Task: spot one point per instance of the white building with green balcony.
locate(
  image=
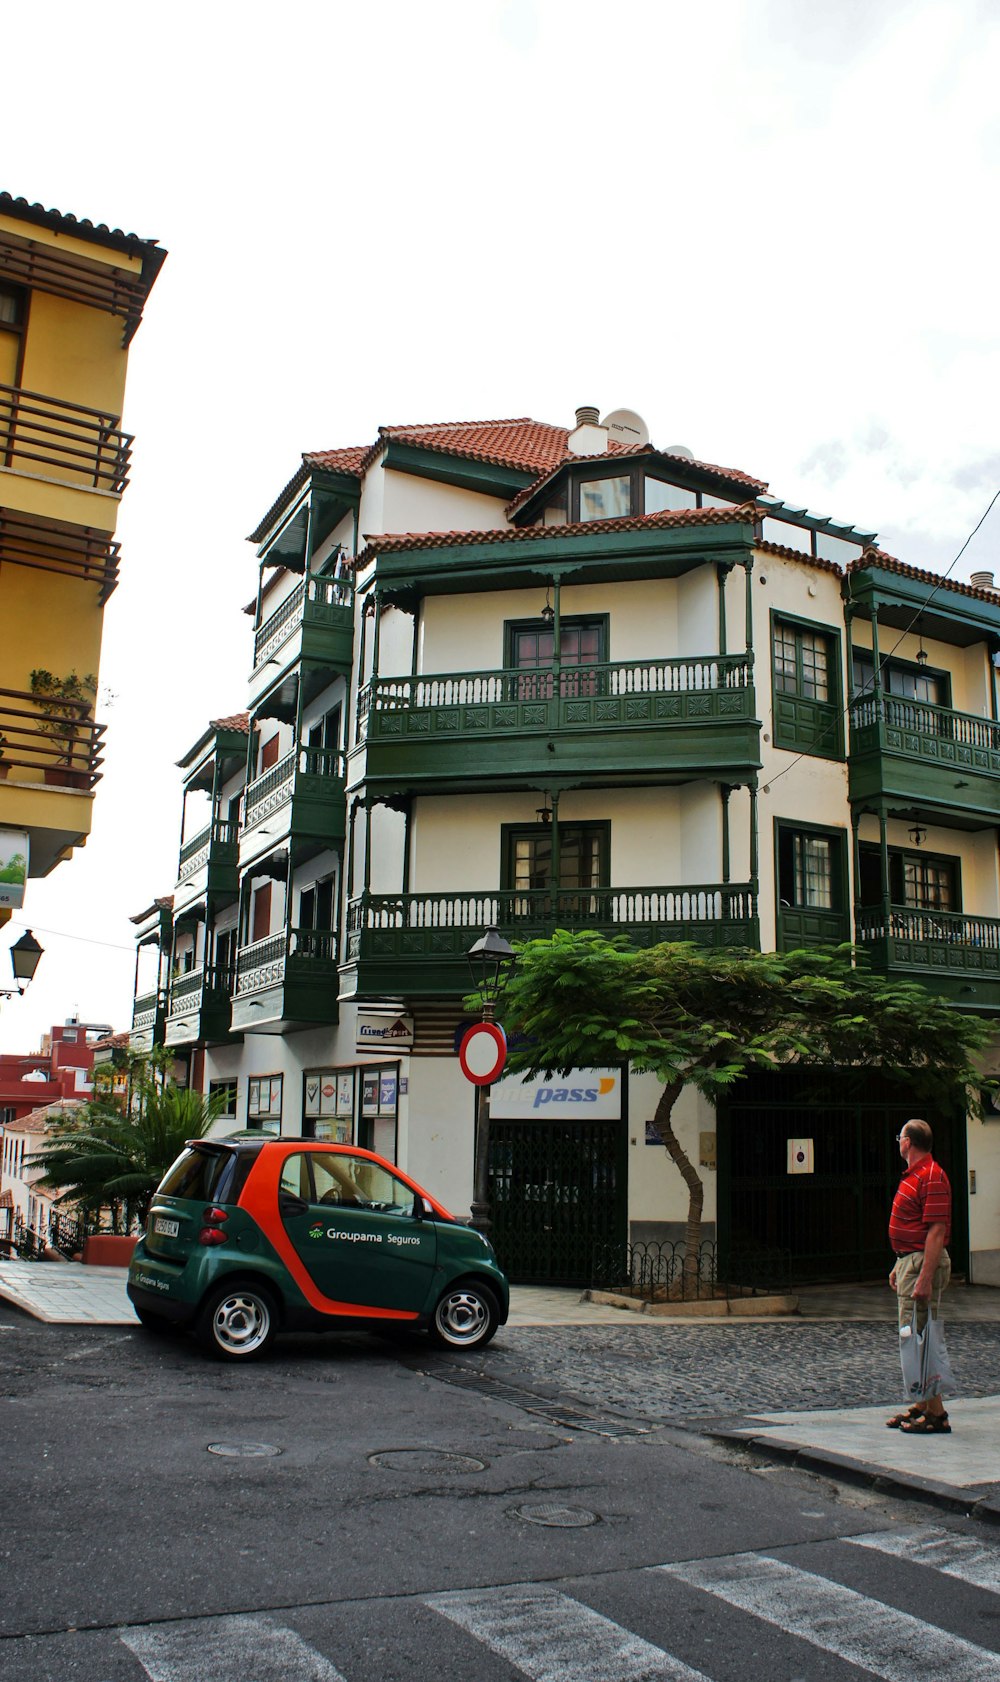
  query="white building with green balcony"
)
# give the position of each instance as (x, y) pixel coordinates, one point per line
(517, 674)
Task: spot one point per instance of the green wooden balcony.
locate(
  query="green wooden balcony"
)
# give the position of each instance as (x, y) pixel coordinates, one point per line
(417, 943)
(287, 980)
(199, 1006)
(304, 793)
(314, 623)
(149, 1015)
(949, 952)
(668, 719)
(926, 757)
(208, 864)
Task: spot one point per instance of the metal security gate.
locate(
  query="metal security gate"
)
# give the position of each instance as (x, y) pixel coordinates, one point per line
(831, 1224)
(557, 1196)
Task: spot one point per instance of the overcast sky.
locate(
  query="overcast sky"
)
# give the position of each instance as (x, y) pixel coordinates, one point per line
(768, 226)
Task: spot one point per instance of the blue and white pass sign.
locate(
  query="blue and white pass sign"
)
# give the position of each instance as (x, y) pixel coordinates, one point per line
(13, 868)
(586, 1094)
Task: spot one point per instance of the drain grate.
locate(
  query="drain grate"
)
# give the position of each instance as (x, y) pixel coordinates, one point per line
(559, 1518)
(425, 1460)
(244, 1451)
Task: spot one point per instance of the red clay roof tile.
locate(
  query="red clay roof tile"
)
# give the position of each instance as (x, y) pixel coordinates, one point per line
(878, 558)
(398, 541)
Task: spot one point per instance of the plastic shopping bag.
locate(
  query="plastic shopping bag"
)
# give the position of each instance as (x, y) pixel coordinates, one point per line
(924, 1360)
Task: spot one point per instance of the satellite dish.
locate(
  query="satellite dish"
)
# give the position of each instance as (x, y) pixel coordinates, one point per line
(680, 450)
(626, 427)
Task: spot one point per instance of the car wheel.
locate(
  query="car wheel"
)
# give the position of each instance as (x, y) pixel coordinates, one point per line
(237, 1321)
(152, 1322)
(466, 1317)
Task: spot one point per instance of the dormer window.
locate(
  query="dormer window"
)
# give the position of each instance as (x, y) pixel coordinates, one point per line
(605, 499)
(614, 495)
(660, 496)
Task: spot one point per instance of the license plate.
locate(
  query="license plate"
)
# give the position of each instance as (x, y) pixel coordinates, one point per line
(169, 1229)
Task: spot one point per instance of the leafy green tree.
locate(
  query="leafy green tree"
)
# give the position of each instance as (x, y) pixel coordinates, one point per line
(701, 1018)
(112, 1152)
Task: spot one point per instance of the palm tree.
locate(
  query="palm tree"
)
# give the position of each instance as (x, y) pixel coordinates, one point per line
(112, 1155)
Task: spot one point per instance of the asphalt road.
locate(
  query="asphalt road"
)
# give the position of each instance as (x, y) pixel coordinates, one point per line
(396, 1534)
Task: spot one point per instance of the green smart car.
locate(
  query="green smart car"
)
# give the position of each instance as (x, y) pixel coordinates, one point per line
(249, 1236)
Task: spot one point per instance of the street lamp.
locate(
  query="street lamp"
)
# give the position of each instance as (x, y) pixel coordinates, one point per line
(491, 961)
(24, 956)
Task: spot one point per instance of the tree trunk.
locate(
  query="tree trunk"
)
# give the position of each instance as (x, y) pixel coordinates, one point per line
(662, 1121)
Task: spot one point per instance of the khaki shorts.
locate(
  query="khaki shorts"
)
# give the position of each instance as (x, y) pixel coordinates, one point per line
(907, 1273)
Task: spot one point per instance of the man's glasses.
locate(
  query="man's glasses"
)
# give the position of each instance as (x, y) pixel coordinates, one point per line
(901, 1136)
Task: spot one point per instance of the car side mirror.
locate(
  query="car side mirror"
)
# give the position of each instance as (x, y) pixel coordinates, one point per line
(421, 1209)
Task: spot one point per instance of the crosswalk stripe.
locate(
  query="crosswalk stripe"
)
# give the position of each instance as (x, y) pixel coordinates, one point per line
(552, 1638)
(957, 1556)
(226, 1650)
(865, 1632)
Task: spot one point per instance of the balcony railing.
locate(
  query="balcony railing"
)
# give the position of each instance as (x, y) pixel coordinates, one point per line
(718, 914)
(270, 790)
(320, 600)
(145, 1010)
(52, 546)
(276, 785)
(947, 950)
(195, 854)
(76, 444)
(64, 746)
(931, 731)
(264, 962)
(187, 989)
(675, 690)
(948, 932)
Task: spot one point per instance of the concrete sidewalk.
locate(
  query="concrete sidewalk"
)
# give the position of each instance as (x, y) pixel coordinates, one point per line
(960, 1472)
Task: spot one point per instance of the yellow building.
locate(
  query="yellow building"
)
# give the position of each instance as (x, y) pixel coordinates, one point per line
(71, 297)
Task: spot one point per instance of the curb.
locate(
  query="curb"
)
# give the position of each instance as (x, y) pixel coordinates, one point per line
(978, 1501)
(709, 1309)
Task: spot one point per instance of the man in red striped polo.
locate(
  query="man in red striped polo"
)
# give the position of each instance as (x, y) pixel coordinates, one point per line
(919, 1230)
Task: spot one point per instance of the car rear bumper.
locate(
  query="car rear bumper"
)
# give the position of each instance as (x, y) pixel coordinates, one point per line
(157, 1302)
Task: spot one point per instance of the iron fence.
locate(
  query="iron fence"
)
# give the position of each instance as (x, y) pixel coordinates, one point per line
(664, 1272)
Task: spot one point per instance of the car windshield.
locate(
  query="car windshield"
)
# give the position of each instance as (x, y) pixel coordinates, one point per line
(200, 1174)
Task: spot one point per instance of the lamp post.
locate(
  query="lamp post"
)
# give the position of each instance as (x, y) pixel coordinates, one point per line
(491, 961)
(24, 957)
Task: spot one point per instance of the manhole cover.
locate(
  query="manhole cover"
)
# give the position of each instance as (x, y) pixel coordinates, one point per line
(561, 1518)
(243, 1451)
(425, 1460)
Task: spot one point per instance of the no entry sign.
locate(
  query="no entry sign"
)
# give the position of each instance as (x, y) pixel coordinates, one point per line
(483, 1053)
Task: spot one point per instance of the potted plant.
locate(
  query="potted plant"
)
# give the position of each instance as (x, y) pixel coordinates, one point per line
(66, 702)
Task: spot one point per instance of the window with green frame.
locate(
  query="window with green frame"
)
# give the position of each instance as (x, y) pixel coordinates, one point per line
(529, 649)
(810, 866)
(806, 684)
(920, 881)
(528, 866)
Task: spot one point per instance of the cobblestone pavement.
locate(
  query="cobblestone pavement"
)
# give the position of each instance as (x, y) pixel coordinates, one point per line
(675, 1374)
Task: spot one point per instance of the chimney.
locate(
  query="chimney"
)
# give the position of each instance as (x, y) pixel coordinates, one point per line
(982, 581)
(589, 437)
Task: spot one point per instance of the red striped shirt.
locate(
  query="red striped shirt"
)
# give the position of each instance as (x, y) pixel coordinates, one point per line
(923, 1198)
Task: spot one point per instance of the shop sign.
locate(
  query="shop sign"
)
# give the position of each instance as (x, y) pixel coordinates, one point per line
(584, 1094)
(383, 1032)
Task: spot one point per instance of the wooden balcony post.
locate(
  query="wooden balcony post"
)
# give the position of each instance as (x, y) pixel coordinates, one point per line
(725, 791)
(754, 847)
(883, 846)
(722, 571)
(749, 611)
(856, 856)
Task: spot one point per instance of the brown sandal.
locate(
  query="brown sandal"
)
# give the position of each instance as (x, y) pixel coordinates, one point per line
(897, 1419)
(927, 1422)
